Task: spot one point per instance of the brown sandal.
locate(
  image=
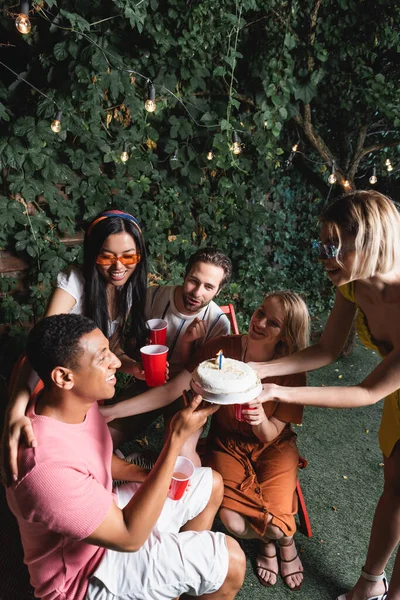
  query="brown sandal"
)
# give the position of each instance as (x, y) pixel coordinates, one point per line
(284, 577)
(258, 566)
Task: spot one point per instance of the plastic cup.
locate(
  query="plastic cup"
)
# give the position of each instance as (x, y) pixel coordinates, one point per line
(154, 358)
(238, 411)
(183, 471)
(158, 331)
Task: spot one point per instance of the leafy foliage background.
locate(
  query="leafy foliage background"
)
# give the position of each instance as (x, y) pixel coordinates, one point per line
(260, 68)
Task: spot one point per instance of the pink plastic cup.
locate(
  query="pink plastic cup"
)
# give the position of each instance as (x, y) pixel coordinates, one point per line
(183, 471)
(158, 331)
(154, 358)
(238, 411)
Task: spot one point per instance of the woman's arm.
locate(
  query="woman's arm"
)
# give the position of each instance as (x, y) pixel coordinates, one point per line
(151, 400)
(16, 424)
(320, 354)
(384, 380)
(266, 429)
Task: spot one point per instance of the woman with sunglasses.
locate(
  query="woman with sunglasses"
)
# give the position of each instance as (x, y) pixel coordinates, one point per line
(360, 250)
(113, 279)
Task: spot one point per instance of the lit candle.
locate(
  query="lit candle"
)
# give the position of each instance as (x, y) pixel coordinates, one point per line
(219, 359)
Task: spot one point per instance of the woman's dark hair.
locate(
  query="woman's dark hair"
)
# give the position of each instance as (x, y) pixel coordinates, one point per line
(131, 297)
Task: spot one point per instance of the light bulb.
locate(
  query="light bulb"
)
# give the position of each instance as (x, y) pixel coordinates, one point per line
(332, 178)
(295, 147)
(387, 162)
(56, 124)
(124, 154)
(150, 104)
(390, 167)
(236, 149)
(175, 155)
(210, 155)
(346, 183)
(373, 179)
(23, 23)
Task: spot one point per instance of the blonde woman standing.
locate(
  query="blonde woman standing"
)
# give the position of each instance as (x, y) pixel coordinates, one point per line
(360, 250)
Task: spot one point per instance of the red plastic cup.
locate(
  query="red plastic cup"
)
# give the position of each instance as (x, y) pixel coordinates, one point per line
(154, 358)
(238, 411)
(158, 331)
(183, 471)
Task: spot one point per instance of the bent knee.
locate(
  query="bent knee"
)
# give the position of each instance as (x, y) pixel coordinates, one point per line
(273, 532)
(233, 521)
(217, 490)
(237, 564)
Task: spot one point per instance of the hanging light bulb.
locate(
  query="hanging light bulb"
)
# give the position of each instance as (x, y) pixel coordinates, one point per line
(150, 104)
(387, 162)
(332, 179)
(295, 147)
(210, 155)
(236, 147)
(346, 183)
(56, 124)
(373, 179)
(22, 22)
(175, 155)
(124, 154)
(389, 165)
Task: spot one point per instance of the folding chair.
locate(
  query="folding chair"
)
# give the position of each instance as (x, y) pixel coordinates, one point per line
(230, 312)
(305, 525)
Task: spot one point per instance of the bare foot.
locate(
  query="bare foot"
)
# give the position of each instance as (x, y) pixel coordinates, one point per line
(267, 564)
(291, 568)
(363, 590)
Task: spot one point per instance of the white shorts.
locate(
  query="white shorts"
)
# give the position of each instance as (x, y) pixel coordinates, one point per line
(169, 563)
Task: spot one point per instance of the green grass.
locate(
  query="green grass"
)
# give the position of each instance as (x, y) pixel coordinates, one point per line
(341, 485)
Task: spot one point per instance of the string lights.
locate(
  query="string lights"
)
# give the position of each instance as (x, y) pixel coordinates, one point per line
(373, 179)
(295, 147)
(56, 123)
(210, 155)
(150, 104)
(22, 21)
(175, 156)
(346, 183)
(389, 165)
(236, 147)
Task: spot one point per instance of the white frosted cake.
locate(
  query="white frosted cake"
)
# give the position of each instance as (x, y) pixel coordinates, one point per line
(234, 383)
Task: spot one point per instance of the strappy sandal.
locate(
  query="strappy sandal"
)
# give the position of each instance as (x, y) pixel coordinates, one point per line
(258, 566)
(284, 577)
(373, 578)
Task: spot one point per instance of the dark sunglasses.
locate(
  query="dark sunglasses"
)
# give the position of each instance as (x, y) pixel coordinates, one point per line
(325, 251)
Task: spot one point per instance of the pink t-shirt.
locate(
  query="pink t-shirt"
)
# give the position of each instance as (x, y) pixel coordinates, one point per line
(63, 494)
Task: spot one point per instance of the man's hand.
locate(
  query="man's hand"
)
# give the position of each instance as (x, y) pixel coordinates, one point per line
(195, 331)
(192, 418)
(15, 432)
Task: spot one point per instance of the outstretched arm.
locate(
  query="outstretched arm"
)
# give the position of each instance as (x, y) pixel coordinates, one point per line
(151, 400)
(384, 380)
(320, 354)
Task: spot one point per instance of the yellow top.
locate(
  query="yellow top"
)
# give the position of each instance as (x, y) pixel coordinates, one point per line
(389, 431)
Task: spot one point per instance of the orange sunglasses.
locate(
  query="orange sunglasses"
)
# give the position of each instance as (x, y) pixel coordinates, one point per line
(106, 259)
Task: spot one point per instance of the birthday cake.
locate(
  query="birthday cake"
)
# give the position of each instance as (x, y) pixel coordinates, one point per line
(233, 383)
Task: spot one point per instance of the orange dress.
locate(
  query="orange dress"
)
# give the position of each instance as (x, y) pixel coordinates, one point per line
(259, 477)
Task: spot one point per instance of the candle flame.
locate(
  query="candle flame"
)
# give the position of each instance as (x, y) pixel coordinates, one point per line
(219, 353)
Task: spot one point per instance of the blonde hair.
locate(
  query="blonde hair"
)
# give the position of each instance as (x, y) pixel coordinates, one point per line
(297, 322)
(375, 222)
